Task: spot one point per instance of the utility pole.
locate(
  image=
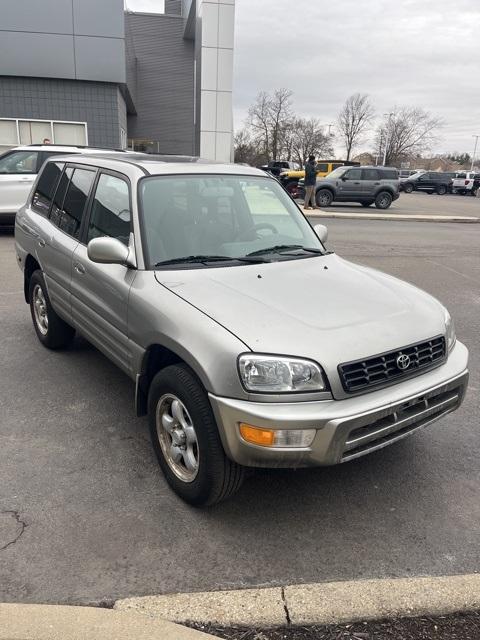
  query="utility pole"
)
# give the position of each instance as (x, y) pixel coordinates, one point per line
(474, 151)
(386, 137)
(329, 129)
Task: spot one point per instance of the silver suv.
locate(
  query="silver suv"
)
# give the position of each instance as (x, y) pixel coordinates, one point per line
(249, 343)
(365, 185)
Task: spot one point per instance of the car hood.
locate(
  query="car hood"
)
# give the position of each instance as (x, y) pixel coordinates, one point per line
(323, 308)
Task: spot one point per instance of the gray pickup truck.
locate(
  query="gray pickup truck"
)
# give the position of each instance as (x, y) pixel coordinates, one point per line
(250, 344)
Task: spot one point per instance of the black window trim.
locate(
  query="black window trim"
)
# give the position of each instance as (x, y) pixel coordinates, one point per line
(88, 210)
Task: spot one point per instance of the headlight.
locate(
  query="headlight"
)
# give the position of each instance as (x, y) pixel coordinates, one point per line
(450, 336)
(274, 374)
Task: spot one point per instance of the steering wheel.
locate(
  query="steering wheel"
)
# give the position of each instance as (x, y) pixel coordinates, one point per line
(244, 235)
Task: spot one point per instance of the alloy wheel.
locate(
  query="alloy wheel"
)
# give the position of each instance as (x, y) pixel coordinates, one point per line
(40, 310)
(177, 437)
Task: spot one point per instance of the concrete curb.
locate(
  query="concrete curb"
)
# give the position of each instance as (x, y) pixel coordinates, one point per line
(51, 622)
(335, 602)
(392, 217)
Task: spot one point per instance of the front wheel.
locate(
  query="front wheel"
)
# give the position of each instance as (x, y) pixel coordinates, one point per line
(408, 188)
(324, 197)
(52, 331)
(186, 440)
(383, 200)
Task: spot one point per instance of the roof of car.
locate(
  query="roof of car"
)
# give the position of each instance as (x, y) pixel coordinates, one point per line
(162, 164)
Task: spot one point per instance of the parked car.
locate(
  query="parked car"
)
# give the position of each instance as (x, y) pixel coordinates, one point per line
(404, 174)
(276, 167)
(19, 168)
(250, 344)
(291, 179)
(429, 182)
(466, 182)
(365, 185)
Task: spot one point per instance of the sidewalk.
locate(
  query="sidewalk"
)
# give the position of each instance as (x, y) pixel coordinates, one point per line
(51, 622)
(392, 217)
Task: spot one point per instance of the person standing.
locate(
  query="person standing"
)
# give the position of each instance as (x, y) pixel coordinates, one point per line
(310, 182)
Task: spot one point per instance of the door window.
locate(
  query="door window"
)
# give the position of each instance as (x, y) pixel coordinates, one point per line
(19, 162)
(354, 174)
(69, 217)
(322, 167)
(110, 210)
(47, 183)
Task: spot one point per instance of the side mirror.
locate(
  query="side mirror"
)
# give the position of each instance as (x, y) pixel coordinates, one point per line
(322, 232)
(107, 251)
(344, 177)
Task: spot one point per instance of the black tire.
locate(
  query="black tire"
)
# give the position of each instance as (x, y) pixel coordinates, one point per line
(408, 188)
(473, 192)
(383, 200)
(56, 333)
(441, 190)
(217, 477)
(366, 204)
(324, 198)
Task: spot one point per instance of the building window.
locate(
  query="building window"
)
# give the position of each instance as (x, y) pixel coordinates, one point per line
(15, 132)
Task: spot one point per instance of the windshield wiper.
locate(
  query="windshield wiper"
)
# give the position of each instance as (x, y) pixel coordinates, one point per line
(280, 248)
(200, 259)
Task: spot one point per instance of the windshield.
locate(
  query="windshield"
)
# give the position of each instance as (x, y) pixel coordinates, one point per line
(337, 173)
(223, 217)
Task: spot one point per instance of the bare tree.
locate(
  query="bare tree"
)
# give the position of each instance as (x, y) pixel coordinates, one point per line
(354, 120)
(406, 133)
(246, 151)
(270, 119)
(308, 138)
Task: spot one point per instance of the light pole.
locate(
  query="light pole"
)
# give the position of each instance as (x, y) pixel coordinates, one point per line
(386, 137)
(474, 151)
(329, 129)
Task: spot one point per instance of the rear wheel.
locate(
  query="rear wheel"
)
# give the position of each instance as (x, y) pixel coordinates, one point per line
(383, 200)
(186, 440)
(408, 188)
(52, 331)
(324, 197)
(441, 190)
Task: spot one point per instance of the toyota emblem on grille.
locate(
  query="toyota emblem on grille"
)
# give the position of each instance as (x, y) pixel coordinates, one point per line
(403, 361)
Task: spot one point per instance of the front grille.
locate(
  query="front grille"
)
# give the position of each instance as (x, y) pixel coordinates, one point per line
(383, 369)
(402, 421)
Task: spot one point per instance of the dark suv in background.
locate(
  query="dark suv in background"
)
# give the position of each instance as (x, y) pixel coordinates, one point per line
(365, 185)
(430, 182)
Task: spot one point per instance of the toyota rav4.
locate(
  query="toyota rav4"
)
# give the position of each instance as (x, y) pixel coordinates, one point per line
(250, 344)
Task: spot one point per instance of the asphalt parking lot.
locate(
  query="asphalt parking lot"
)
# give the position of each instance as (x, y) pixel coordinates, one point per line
(421, 204)
(86, 517)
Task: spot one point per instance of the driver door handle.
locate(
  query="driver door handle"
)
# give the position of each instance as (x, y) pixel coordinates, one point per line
(79, 268)
(41, 242)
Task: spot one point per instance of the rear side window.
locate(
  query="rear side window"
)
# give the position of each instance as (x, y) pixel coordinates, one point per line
(110, 210)
(323, 167)
(47, 183)
(388, 174)
(69, 217)
(370, 174)
(59, 197)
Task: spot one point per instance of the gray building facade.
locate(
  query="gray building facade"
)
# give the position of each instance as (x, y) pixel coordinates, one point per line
(87, 72)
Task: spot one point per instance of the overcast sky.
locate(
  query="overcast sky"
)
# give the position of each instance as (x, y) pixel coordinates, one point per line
(401, 52)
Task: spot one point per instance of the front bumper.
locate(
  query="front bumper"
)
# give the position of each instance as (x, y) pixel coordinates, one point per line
(346, 429)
